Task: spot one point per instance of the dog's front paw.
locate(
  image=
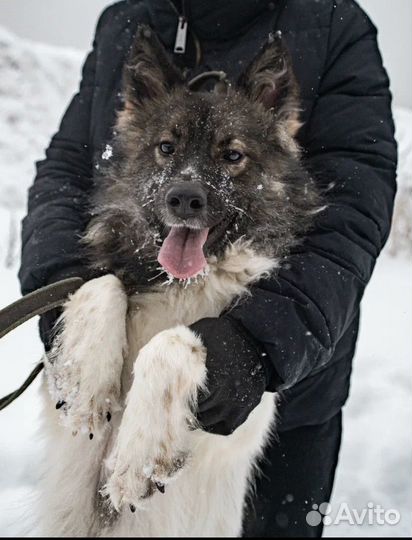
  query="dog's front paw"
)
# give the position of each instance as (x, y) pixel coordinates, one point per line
(85, 363)
(88, 411)
(132, 483)
(153, 441)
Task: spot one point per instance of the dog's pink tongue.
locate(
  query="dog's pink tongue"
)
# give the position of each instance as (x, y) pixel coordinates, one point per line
(182, 252)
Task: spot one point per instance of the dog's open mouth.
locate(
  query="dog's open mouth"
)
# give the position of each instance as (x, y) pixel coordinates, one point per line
(181, 254)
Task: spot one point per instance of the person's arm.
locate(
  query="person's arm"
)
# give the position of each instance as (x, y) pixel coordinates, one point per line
(57, 216)
(57, 203)
(299, 317)
(304, 312)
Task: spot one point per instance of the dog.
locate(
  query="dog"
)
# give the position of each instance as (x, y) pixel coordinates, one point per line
(204, 195)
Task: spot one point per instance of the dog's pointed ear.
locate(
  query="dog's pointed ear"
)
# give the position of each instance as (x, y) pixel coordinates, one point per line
(149, 73)
(270, 80)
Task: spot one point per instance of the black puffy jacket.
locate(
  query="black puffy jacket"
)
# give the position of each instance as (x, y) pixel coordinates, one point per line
(307, 318)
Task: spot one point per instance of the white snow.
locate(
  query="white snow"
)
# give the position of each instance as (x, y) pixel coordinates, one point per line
(401, 238)
(375, 465)
(35, 86)
(108, 152)
(376, 458)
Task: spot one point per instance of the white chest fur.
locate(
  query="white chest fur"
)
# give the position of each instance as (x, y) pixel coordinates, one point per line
(171, 304)
(207, 496)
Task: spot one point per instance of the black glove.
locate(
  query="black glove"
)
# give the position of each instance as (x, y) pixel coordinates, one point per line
(238, 373)
(46, 326)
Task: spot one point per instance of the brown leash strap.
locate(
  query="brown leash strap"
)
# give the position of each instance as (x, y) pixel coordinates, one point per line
(35, 303)
(7, 400)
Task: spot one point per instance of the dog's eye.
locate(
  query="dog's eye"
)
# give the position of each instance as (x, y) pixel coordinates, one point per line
(167, 148)
(233, 156)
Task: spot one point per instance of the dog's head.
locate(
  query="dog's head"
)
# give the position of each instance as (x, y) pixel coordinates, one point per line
(195, 170)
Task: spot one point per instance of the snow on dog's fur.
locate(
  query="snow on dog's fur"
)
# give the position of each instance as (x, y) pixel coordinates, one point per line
(208, 185)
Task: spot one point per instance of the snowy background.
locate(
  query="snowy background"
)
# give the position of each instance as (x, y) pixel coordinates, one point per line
(36, 82)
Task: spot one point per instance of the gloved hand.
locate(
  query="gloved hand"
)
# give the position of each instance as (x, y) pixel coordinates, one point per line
(46, 326)
(238, 373)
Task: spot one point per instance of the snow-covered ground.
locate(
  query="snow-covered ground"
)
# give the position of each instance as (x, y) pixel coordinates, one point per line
(376, 459)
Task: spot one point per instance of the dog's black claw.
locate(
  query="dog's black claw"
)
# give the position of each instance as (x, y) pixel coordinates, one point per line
(60, 404)
(108, 417)
(160, 487)
(91, 436)
(132, 508)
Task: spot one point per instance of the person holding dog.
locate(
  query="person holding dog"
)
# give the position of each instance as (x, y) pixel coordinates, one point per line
(304, 322)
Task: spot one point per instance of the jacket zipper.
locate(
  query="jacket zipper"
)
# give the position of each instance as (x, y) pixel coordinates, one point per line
(181, 36)
(182, 32)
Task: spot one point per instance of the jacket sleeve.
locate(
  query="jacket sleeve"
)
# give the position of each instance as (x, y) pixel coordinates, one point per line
(58, 198)
(304, 312)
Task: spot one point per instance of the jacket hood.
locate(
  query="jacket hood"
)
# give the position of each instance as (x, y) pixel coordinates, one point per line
(208, 19)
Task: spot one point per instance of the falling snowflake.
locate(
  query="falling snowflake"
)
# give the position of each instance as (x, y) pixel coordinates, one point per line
(107, 154)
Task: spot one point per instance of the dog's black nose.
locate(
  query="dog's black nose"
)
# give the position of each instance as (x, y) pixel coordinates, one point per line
(186, 200)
